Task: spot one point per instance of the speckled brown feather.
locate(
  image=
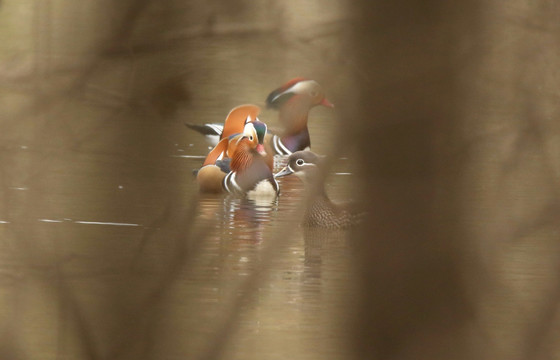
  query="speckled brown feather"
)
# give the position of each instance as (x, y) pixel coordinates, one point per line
(322, 212)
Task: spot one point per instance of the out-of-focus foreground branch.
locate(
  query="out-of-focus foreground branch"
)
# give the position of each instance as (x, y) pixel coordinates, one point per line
(460, 218)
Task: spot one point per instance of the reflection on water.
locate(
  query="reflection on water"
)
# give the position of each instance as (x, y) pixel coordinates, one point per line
(296, 311)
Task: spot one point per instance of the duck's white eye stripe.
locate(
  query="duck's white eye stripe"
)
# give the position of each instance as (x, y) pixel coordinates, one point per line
(307, 165)
(300, 86)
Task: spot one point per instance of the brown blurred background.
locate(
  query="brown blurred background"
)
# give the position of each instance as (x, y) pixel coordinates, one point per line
(445, 114)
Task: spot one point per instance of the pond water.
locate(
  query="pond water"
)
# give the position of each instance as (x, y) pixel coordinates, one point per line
(109, 251)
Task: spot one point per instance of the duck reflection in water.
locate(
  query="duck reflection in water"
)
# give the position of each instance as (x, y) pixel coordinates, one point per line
(243, 219)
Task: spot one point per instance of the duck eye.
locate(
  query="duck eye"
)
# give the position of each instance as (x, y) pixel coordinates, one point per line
(300, 162)
(251, 137)
(313, 94)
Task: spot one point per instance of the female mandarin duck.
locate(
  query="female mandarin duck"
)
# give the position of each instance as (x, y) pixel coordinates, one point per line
(293, 100)
(322, 212)
(238, 163)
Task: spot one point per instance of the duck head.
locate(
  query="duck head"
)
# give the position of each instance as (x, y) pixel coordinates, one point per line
(305, 164)
(308, 92)
(254, 132)
(238, 117)
(293, 100)
(245, 147)
(260, 130)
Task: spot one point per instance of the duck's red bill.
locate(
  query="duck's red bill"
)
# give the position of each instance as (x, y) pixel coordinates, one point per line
(327, 103)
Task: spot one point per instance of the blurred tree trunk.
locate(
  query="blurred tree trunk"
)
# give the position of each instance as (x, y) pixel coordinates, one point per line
(454, 101)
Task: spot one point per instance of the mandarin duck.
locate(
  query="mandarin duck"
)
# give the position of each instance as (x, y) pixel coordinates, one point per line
(237, 165)
(322, 212)
(234, 126)
(234, 123)
(293, 100)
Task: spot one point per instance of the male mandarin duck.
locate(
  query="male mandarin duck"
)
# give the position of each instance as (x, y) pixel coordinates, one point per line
(250, 168)
(234, 126)
(237, 164)
(234, 123)
(322, 212)
(293, 100)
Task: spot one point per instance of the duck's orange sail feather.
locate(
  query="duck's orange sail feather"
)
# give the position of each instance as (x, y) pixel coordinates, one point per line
(215, 153)
(237, 117)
